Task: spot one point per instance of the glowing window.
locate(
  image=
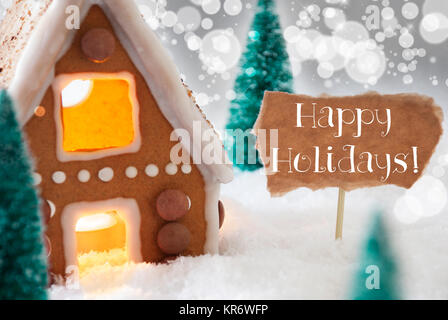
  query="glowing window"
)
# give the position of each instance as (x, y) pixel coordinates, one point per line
(97, 114)
(101, 239)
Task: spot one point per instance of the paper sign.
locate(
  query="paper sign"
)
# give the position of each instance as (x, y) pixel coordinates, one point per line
(347, 142)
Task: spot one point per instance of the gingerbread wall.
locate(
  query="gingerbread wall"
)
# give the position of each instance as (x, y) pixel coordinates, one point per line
(155, 149)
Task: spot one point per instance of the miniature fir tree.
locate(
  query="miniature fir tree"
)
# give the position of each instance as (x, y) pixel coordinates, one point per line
(376, 278)
(265, 66)
(23, 271)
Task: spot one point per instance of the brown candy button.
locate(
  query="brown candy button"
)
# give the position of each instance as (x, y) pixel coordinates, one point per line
(98, 45)
(222, 213)
(46, 211)
(172, 204)
(173, 238)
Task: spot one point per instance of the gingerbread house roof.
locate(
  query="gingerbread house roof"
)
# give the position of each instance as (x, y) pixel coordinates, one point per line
(33, 38)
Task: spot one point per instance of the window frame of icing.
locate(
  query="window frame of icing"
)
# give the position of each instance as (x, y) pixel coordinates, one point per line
(60, 82)
(126, 208)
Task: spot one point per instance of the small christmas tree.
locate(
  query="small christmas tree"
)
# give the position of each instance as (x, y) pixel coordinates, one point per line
(376, 278)
(23, 271)
(265, 66)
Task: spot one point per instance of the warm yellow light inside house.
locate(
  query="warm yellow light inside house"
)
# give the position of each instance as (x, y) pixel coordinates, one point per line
(101, 239)
(97, 114)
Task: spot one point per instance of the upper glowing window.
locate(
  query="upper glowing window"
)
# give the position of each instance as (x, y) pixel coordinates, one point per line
(98, 115)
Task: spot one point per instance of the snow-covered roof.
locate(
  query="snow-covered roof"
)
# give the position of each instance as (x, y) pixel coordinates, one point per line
(49, 40)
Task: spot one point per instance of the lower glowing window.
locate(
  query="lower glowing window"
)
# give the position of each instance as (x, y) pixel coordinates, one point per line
(100, 240)
(97, 114)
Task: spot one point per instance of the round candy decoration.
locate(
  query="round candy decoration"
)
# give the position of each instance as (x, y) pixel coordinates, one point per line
(172, 204)
(173, 238)
(98, 45)
(222, 213)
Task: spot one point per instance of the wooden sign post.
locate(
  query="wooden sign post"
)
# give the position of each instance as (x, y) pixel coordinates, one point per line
(346, 142)
(340, 214)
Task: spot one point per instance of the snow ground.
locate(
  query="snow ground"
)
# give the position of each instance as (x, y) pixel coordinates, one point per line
(283, 248)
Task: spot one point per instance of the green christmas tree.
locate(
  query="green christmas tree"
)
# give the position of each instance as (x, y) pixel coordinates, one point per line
(376, 278)
(23, 271)
(265, 66)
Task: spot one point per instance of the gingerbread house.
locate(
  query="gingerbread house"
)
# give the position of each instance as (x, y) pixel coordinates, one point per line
(102, 107)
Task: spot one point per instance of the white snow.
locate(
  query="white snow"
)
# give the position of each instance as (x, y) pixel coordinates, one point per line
(283, 248)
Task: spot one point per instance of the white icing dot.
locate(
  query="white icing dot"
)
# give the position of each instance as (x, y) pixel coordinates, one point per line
(52, 208)
(152, 170)
(131, 172)
(106, 174)
(83, 176)
(186, 168)
(37, 178)
(59, 177)
(171, 169)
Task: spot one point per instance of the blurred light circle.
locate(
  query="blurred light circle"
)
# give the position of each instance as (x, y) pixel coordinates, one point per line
(402, 67)
(178, 28)
(313, 10)
(431, 22)
(189, 18)
(194, 43)
(387, 13)
(407, 54)
(390, 24)
(430, 193)
(202, 99)
(407, 79)
(292, 34)
(303, 15)
(233, 7)
(325, 70)
(438, 171)
(324, 49)
(421, 52)
(207, 24)
(230, 95)
(169, 19)
(220, 50)
(366, 66)
(410, 10)
(434, 28)
(304, 48)
(406, 40)
(412, 67)
(435, 6)
(380, 36)
(6, 3)
(403, 213)
(211, 6)
(368, 63)
(296, 68)
(333, 17)
(353, 31)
